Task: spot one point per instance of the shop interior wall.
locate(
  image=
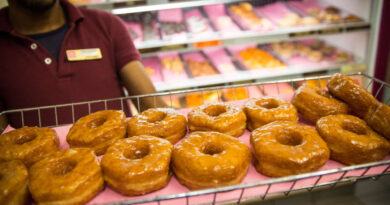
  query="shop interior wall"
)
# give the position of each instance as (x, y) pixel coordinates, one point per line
(3, 3)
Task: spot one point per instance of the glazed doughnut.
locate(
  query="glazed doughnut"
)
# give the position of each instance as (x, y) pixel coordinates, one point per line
(28, 144)
(378, 118)
(283, 148)
(261, 111)
(350, 140)
(357, 98)
(165, 123)
(137, 165)
(220, 117)
(210, 159)
(314, 103)
(97, 130)
(70, 176)
(13, 183)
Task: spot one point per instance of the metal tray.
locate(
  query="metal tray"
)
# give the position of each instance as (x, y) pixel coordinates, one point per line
(365, 170)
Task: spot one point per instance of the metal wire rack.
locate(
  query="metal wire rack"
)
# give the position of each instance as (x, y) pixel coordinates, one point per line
(260, 190)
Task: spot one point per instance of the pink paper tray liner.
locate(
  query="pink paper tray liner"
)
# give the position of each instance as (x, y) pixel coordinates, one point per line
(219, 57)
(304, 5)
(170, 15)
(196, 56)
(153, 63)
(275, 11)
(196, 13)
(217, 11)
(174, 187)
(168, 75)
(247, 26)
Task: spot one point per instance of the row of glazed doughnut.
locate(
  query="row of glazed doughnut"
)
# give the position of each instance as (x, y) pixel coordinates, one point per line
(140, 164)
(133, 159)
(376, 114)
(350, 139)
(314, 103)
(70, 176)
(100, 129)
(132, 166)
(37, 148)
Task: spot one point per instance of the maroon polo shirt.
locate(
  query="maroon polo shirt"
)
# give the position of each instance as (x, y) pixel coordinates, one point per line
(31, 77)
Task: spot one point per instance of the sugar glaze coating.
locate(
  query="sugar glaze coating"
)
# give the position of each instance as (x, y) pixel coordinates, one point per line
(261, 111)
(210, 159)
(138, 165)
(283, 148)
(165, 123)
(220, 117)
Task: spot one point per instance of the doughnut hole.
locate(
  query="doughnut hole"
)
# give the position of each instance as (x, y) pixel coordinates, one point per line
(214, 110)
(64, 167)
(95, 123)
(356, 128)
(268, 103)
(211, 148)
(156, 117)
(138, 152)
(290, 138)
(25, 138)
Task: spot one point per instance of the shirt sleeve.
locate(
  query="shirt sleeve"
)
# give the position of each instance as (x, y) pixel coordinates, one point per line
(124, 49)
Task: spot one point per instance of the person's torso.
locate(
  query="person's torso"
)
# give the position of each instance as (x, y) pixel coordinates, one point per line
(31, 76)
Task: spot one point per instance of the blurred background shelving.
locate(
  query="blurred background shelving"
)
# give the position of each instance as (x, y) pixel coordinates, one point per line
(198, 25)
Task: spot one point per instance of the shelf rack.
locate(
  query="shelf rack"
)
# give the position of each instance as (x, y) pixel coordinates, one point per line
(105, 4)
(162, 6)
(369, 25)
(258, 75)
(371, 15)
(348, 174)
(266, 36)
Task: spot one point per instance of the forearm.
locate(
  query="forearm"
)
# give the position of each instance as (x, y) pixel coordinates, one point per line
(148, 102)
(137, 82)
(3, 123)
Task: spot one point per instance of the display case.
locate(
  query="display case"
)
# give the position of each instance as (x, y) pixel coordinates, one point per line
(189, 26)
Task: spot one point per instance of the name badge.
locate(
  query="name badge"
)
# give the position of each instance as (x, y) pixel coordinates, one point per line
(84, 54)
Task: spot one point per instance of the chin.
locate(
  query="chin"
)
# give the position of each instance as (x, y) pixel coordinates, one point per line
(36, 5)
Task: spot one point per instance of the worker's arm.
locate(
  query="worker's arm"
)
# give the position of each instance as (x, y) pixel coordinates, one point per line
(137, 82)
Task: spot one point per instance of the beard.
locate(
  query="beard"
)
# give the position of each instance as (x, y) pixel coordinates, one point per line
(36, 5)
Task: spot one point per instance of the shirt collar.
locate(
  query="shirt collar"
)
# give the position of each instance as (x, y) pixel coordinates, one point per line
(73, 13)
